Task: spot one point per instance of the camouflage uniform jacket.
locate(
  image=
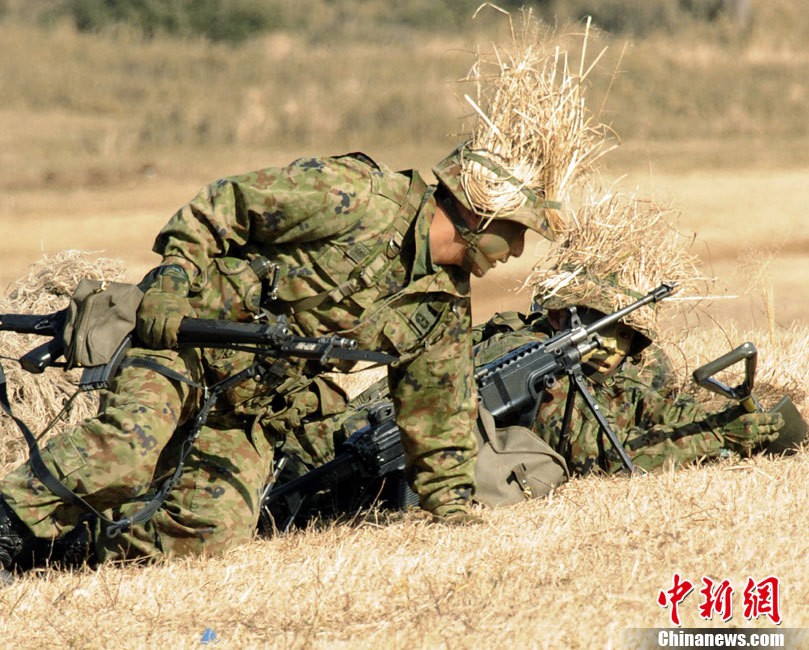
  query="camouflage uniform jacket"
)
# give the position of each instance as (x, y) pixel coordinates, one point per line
(656, 423)
(348, 241)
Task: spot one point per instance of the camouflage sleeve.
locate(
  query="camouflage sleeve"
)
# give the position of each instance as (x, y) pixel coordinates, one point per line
(656, 425)
(667, 427)
(308, 200)
(436, 409)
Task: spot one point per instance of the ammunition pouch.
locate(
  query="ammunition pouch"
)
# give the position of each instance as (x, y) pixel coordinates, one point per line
(229, 289)
(100, 316)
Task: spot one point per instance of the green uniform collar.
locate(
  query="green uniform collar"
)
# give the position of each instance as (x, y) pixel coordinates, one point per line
(426, 275)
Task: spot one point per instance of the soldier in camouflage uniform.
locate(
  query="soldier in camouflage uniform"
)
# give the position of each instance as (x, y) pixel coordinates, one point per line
(337, 245)
(631, 379)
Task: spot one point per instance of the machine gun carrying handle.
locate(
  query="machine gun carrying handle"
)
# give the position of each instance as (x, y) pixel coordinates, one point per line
(795, 428)
(746, 352)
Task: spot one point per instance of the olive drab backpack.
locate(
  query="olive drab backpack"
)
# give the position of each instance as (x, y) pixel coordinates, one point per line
(514, 464)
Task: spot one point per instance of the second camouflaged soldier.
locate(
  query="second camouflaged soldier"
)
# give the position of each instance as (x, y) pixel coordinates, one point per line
(632, 381)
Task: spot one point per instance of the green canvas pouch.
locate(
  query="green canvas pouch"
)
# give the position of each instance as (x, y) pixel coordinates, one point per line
(100, 315)
(514, 464)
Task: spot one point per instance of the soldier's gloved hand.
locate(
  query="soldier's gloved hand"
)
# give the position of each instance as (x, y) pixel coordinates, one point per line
(455, 515)
(751, 431)
(164, 305)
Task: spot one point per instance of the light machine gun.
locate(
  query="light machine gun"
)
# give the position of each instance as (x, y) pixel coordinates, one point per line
(369, 466)
(513, 383)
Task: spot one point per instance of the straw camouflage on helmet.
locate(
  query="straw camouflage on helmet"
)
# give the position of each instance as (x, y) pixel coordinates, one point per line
(604, 295)
(533, 211)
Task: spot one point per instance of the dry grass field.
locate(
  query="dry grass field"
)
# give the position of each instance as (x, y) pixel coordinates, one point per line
(578, 570)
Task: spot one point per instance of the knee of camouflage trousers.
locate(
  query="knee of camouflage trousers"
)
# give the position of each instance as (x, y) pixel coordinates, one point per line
(216, 503)
(110, 459)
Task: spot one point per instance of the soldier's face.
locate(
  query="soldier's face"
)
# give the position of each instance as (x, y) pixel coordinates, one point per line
(616, 343)
(616, 340)
(502, 239)
(498, 242)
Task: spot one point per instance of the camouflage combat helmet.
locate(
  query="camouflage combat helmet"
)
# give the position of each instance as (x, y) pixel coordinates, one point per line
(530, 210)
(575, 287)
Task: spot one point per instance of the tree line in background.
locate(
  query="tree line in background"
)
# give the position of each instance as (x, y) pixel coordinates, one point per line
(235, 21)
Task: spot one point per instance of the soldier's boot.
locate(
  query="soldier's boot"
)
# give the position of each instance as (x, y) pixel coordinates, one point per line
(16, 542)
(73, 550)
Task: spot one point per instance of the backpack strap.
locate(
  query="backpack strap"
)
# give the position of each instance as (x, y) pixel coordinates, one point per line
(49, 480)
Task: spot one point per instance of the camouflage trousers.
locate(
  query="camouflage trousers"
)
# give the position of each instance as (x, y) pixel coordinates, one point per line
(131, 447)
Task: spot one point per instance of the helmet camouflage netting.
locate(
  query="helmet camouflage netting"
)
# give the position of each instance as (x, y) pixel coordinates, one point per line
(616, 249)
(531, 137)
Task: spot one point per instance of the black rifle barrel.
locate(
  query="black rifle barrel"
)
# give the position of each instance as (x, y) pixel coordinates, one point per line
(209, 333)
(203, 332)
(272, 338)
(655, 295)
(42, 324)
(328, 475)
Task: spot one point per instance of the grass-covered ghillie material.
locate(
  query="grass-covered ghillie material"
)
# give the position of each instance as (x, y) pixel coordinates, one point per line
(38, 399)
(530, 118)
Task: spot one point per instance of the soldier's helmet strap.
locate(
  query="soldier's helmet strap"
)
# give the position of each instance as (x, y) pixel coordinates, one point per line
(473, 255)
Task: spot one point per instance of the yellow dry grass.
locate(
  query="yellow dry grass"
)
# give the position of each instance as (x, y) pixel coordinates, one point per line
(533, 133)
(573, 571)
(616, 249)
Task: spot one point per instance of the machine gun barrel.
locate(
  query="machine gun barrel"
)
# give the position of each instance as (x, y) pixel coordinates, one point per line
(580, 334)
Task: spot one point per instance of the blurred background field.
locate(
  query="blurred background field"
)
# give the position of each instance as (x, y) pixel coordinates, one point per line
(114, 113)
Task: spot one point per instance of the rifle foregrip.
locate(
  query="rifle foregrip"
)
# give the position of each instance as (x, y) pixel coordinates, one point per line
(207, 332)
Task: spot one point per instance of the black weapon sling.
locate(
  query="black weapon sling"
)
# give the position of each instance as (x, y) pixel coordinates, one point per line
(49, 480)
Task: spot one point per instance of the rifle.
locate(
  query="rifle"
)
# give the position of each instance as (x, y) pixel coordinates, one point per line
(260, 338)
(264, 340)
(367, 469)
(795, 428)
(508, 387)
